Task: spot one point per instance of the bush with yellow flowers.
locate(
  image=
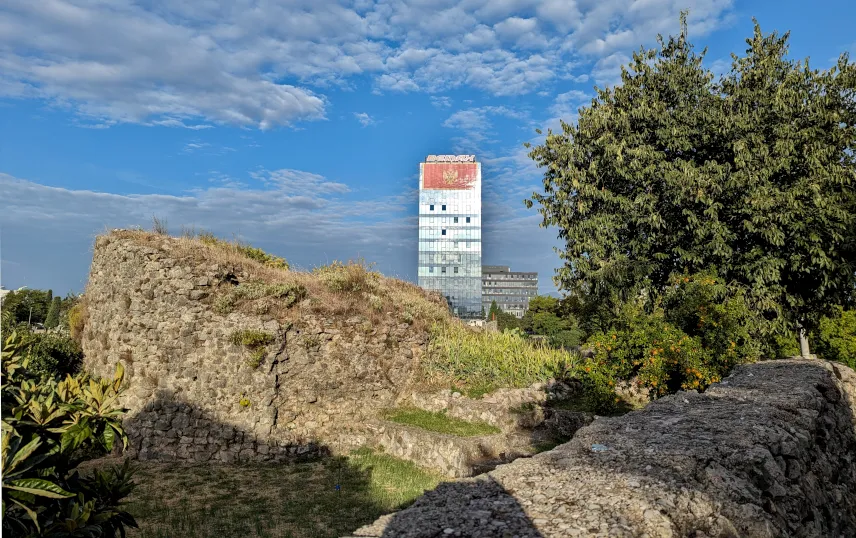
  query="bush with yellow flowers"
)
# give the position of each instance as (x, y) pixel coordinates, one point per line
(687, 338)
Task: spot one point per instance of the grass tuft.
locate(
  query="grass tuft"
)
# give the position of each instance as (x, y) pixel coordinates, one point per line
(439, 422)
(250, 338)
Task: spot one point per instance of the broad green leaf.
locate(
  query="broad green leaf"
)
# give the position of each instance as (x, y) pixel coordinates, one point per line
(39, 487)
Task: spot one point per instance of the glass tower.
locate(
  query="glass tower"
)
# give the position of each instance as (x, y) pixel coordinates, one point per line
(450, 231)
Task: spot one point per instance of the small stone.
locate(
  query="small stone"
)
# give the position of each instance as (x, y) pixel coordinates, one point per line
(448, 531)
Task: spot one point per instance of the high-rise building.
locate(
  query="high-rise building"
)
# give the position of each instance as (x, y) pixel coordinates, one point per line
(510, 289)
(450, 231)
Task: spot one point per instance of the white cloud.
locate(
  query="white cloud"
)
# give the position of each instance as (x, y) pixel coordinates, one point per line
(607, 70)
(474, 122)
(364, 119)
(262, 64)
(440, 101)
(190, 147)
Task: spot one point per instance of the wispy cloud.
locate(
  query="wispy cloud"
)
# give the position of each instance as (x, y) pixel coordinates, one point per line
(364, 119)
(440, 101)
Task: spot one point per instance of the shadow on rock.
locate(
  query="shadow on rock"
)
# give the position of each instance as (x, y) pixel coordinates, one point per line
(477, 508)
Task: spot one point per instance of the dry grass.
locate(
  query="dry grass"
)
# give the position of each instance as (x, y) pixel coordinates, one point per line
(339, 289)
(250, 500)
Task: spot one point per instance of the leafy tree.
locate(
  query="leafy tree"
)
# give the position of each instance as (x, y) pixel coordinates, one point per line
(28, 305)
(544, 317)
(752, 176)
(504, 320)
(49, 427)
(494, 310)
(836, 337)
(52, 318)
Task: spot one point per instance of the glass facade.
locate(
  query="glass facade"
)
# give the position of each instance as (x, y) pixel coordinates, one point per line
(510, 289)
(450, 234)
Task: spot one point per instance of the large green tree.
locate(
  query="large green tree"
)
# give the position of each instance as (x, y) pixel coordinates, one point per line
(751, 176)
(52, 318)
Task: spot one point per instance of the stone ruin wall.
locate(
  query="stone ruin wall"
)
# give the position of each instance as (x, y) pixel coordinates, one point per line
(321, 378)
(768, 452)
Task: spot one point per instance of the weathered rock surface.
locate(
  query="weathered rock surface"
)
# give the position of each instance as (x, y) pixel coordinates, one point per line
(192, 394)
(770, 451)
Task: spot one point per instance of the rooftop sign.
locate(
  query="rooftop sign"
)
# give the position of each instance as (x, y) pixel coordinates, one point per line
(451, 159)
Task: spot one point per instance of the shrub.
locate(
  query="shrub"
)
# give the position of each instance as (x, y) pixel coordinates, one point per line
(256, 357)
(77, 318)
(355, 276)
(52, 354)
(49, 427)
(691, 338)
(159, 226)
(836, 337)
(250, 338)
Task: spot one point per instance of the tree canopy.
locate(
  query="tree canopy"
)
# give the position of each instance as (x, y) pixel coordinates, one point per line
(750, 176)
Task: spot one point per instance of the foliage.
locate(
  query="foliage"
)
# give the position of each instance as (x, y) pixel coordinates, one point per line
(250, 338)
(49, 426)
(248, 251)
(439, 422)
(52, 317)
(545, 317)
(483, 360)
(257, 356)
(51, 354)
(77, 317)
(836, 337)
(354, 276)
(692, 337)
(504, 320)
(671, 172)
(24, 302)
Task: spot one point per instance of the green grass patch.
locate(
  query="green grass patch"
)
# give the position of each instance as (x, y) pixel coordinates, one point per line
(439, 422)
(255, 500)
(483, 361)
(394, 482)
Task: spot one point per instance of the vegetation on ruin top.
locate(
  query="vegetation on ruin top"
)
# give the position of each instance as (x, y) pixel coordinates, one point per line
(266, 284)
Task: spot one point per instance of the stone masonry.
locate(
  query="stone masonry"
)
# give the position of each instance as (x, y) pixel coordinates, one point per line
(192, 394)
(768, 452)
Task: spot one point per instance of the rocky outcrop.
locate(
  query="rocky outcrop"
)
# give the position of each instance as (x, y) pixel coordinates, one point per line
(769, 451)
(193, 394)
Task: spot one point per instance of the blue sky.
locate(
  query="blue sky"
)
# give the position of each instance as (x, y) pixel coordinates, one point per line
(298, 125)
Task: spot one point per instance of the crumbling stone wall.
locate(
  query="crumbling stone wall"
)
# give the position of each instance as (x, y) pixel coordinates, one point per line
(192, 394)
(768, 452)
